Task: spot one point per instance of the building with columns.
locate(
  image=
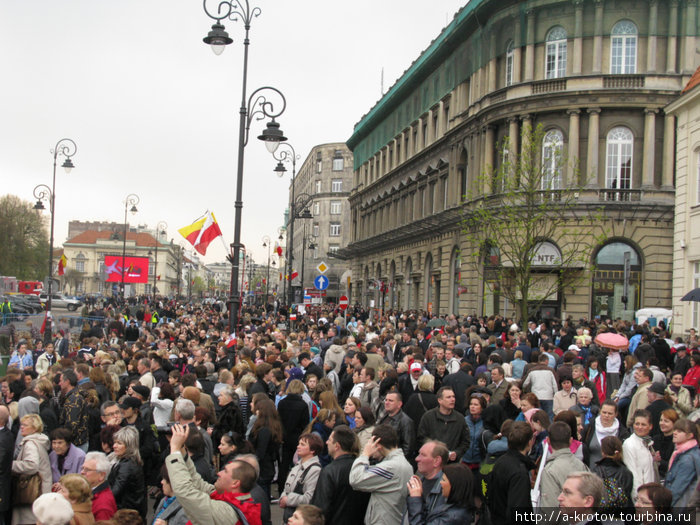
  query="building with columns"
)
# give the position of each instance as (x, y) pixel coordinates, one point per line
(596, 75)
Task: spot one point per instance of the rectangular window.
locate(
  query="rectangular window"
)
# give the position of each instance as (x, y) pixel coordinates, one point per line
(336, 207)
(436, 131)
(335, 229)
(80, 266)
(509, 65)
(318, 186)
(148, 289)
(319, 162)
(80, 288)
(100, 286)
(315, 234)
(317, 208)
(337, 185)
(338, 164)
(556, 59)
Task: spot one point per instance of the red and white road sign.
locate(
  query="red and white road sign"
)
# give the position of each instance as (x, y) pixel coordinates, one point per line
(343, 302)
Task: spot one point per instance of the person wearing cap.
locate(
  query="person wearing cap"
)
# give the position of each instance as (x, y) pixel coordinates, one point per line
(148, 445)
(143, 394)
(408, 384)
(657, 404)
(52, 509)
(681, 361)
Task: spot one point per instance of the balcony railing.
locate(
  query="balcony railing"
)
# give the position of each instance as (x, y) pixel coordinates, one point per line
(623, 81)
(548, 86)
(620, 195)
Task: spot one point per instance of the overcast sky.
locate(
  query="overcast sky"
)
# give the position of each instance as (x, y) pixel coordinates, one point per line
(154, 112)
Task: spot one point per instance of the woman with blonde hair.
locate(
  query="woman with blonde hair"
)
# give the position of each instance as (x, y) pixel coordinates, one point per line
(328, 400)
(126, 477)
(423, 400)
(32, 457)
(76, 489)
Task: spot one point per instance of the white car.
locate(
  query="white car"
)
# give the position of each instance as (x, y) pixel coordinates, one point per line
(60, 301)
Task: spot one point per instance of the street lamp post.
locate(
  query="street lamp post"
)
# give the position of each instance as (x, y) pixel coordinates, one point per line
(288, 155)
(256, 104)
(161, 228)
(131, 200)
(300, 210)
(266, 243)
(66, 148)
(311, 240)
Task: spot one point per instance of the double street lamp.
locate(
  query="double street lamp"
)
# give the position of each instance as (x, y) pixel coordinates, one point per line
(256, 105)
(65, 148)
(161, 229)
(131, 200)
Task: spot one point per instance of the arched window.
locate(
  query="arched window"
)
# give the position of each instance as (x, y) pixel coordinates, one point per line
(80, 263)
(620, 147)
(509, 62)
(551, 160)
(555, 63)
(623, 48)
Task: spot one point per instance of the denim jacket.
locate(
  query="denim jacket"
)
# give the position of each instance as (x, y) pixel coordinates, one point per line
(474, 452)
(683, 476)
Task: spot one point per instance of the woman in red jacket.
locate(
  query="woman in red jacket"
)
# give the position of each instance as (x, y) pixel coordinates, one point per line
(693, 376)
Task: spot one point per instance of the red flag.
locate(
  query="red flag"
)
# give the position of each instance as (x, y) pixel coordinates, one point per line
(231, 341)
(293, 275)
(279, 251)
(47, 315)
(62, 262)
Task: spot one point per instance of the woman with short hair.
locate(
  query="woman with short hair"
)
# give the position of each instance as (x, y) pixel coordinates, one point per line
(76, 489)
(126, 477)
(65, 457)
(301, 482)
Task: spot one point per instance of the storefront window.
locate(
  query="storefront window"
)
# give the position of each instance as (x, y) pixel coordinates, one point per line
(609, 282)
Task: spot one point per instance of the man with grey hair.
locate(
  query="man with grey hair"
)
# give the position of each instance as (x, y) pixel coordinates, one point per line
(96, 468)
(184, 415)
(258, 493)
(581, 492)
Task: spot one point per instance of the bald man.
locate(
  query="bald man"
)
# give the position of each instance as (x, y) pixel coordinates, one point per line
(7, 444)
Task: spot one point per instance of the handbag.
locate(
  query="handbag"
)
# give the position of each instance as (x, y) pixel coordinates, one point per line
(26, 489)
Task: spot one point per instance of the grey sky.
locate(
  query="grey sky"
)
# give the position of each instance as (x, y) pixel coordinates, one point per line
(154, 112)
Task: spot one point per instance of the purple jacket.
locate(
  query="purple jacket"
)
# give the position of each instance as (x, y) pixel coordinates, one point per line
(73, 463)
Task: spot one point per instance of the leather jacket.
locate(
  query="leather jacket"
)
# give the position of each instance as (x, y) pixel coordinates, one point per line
(128, 486)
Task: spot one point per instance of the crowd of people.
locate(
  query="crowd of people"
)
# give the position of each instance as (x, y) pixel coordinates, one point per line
(153, 414)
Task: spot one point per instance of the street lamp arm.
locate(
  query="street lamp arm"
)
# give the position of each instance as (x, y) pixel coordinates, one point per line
(260, 106)
(286, 156)
(234, 10)
(43, 193)
(65, 147)
(131, 200)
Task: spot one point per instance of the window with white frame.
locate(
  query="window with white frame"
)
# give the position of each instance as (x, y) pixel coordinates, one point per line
(318, 186)
(551, 160)
(100, 286)
(80, 263)
(151, 267)
(319, 162)
(623, 48)
(149, 290)
(336, 207)
(555, 60)
(337, 185)
(509, 63)
(80, 287)
(338, 163)
(317, 208)
(620, 144)
(696, 284)
(315, 234)
(335, 229)
(697, 177)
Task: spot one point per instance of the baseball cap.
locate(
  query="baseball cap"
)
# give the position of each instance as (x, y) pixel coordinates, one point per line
(415, 366)
(130, 402)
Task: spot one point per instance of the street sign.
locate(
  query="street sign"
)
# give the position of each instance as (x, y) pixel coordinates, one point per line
(321, 282)
(307, 299)
(322, 268)
(343, 302)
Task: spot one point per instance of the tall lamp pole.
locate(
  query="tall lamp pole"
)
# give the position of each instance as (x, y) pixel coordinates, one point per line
(256, 104)
(131, 200)
(288, 155)
(266, 243)
(311, 241)
(161, 228)
(65, 148)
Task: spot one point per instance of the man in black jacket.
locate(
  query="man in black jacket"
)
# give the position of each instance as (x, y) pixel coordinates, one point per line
(508, 488)
(399, 421)
(459, 382)
(7, 445)
(339, 502)
(445, 424)
(309, 366)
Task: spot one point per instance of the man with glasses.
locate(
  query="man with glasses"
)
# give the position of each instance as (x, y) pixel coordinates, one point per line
(96, 469)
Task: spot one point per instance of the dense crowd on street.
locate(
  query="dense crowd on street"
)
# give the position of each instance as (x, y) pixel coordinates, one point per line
(153, 415)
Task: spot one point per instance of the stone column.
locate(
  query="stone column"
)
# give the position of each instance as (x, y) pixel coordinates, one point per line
(672, 40)
(517, 51)
(669, 152)
(688, 67)
(530, 47)
(651, 39)
(598, 38)
(513, 138)
(526, 135)
(649, 142)
(578, 37)
(573, 153)
(492, 56)
(594, 177)
(489, 144)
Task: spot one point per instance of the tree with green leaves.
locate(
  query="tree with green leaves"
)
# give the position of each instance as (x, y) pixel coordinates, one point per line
(24, 240)
(527, 234)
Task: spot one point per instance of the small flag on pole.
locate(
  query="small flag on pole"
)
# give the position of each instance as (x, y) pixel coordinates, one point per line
(62, 263)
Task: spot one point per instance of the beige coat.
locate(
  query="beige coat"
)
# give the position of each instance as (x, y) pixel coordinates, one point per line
(33, 456)
(639, 401)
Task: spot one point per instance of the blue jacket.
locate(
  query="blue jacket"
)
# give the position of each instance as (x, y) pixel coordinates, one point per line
(21, 361)
(474, 453)
(683, 476)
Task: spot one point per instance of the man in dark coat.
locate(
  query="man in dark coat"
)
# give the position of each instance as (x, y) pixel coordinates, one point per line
(508, 487)
(339, 502)
(459, 382)
(7, 445)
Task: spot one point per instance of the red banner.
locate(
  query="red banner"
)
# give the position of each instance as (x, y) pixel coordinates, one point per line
(135, 269)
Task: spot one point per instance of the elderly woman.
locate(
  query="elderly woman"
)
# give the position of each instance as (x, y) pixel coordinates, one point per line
(76, 489)
(65, 457)
(301, 481)
(584, 406)
(231, 418)
(126, 477)
(30, 458)
(565, 398)
(684, 465)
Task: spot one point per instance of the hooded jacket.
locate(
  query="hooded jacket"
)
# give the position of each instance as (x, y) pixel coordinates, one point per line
(335, 355)
(32, 457)
(558, 466)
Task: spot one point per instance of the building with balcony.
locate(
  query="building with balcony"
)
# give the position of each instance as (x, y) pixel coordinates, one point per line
(326, 176)
(596, 75)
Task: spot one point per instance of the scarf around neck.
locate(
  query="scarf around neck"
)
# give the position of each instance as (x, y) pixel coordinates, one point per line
(602, 432)
(679, 449)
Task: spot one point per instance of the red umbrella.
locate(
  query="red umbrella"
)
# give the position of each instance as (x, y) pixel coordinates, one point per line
(612, 340)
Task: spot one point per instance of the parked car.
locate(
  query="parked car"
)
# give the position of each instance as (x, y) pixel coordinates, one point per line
(59, 300)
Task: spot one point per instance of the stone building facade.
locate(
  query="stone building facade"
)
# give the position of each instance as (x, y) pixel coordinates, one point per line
(326, 176)
(596, 75)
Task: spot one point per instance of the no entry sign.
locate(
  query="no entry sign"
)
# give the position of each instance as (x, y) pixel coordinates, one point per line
(343, 302)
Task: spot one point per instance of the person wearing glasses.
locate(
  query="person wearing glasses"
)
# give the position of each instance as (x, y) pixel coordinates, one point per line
(96, 469)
